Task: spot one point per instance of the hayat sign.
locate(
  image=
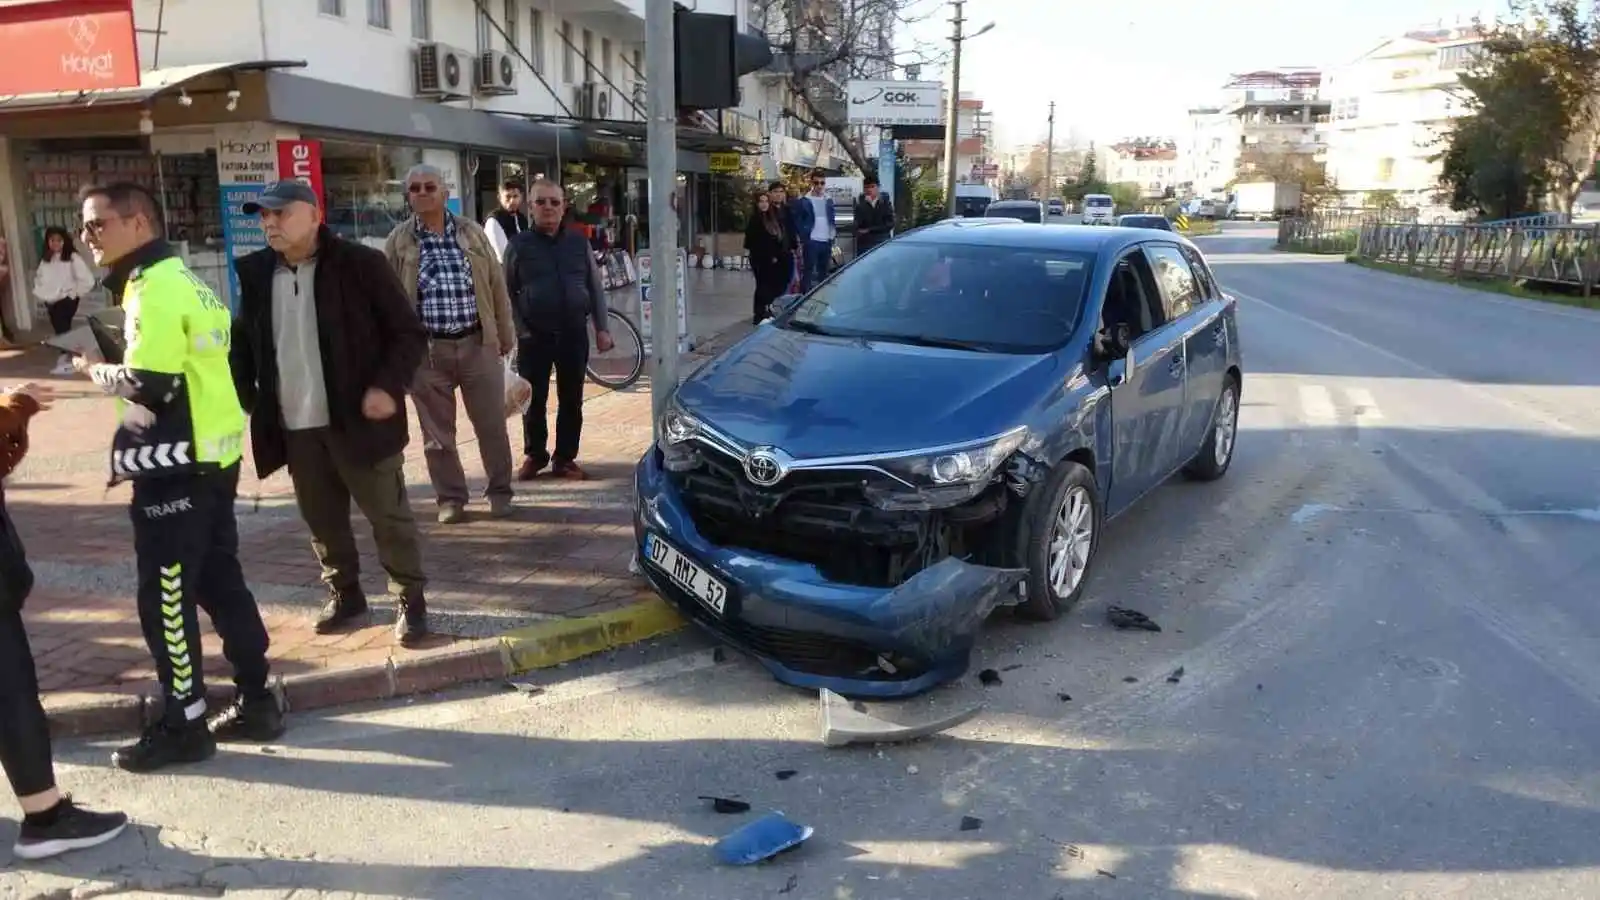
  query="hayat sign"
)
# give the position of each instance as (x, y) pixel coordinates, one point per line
(302, 161)
(247, 153)
(67, 45)
(895, 103)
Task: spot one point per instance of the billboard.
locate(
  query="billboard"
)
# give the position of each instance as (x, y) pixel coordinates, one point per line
(72, 45)
(891, 103)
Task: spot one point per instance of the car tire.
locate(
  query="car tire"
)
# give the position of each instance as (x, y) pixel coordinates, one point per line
(1209, 464)
(1048, 511)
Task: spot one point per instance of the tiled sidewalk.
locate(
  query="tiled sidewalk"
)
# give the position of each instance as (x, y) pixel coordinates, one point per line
(546, 585)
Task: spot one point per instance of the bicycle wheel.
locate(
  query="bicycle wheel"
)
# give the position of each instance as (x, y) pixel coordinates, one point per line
(623, 364)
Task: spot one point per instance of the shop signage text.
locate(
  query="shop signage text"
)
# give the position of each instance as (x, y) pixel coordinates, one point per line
(726, 162)
(247, 153)
(302, 161)
(70, 45)
(896, 103)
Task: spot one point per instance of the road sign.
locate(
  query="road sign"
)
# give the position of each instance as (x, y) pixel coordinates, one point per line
(726, 162)
(1182, 222)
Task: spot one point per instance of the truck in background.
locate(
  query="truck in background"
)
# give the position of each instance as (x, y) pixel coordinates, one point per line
(1264, 200)
(973, 199)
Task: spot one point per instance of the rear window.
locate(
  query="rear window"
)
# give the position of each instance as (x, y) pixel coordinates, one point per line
(1027, 212)
(1097, 201)
(971, 206)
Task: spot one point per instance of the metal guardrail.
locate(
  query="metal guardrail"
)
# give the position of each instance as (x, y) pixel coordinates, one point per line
(1559, 254)
(1542, 220)
(1335, 230)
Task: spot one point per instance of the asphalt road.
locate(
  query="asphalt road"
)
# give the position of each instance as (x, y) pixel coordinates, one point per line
(1384, 615)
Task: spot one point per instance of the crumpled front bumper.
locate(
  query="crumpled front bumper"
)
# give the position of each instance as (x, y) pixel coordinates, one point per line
(813, 633)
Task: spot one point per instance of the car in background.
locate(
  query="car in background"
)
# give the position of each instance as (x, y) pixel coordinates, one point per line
(1057, 206)
(1145, 220)
(1026, 210)
(1099, 209)
(941, 428)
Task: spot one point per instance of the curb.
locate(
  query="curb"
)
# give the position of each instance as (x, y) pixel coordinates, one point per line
(541, 646)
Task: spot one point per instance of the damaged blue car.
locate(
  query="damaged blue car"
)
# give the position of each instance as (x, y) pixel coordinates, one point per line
(939, 429)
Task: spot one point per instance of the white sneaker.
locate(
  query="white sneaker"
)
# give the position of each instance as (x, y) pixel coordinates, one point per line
(63, 367)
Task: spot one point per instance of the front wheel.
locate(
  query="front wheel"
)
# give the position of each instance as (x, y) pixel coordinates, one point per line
(1061, 531)
(623, 364)
(1216, 454)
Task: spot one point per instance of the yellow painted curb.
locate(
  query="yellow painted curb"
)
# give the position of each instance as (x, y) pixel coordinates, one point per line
(555, 642)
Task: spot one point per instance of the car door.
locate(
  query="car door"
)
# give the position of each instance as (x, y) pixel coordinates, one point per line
(1205, 356)
(1146, 386)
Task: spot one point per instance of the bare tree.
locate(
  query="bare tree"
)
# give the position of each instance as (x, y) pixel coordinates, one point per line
(820, 45)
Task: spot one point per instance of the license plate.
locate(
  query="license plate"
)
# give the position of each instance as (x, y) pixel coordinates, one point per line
(686, 574)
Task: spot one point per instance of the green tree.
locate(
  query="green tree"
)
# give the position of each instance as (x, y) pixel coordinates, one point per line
(1383, 199)
(1090, 172)
(1533, 126)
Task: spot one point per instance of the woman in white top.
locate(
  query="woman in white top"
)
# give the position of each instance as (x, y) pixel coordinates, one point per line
(62, 280)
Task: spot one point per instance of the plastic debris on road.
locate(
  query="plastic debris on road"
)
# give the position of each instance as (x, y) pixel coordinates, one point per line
(761, 840)
(846, 722)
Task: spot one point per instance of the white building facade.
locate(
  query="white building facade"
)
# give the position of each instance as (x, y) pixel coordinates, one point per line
(231, 90)
(1389, 109)
(1272, 111)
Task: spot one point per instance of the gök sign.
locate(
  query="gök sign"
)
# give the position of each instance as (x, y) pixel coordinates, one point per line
(67, 45)
(895, 103)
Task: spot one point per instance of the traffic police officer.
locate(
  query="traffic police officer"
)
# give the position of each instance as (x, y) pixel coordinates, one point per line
(179, 443)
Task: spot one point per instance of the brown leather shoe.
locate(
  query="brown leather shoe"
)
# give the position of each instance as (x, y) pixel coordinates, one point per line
(568, 470)
(530, 469)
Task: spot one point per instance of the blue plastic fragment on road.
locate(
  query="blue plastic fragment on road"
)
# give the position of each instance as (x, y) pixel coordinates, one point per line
(761, 840)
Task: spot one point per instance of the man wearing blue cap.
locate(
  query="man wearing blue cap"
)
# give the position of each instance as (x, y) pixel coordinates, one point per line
(324, 345)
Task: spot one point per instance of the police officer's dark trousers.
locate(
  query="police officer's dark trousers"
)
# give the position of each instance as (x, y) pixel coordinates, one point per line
(187, 542)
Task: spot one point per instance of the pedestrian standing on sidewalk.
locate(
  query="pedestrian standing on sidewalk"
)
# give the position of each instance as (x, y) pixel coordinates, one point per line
(771, 248)
(324, 346)
(508, 221)
(559, 290)
(60, 283)
(179, 442)
(51, 823)
(874, 217)
(454, 279)
(814, 217)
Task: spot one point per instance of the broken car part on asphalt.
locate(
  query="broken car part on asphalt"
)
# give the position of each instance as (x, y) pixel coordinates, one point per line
(847, 722)
(1126, 619)
(760, 840)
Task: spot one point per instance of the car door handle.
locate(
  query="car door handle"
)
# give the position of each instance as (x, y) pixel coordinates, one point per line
(1220, 332)
(1176, 366)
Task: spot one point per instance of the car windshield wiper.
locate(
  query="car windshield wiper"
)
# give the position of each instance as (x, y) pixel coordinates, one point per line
(925, 340)
(808, 328)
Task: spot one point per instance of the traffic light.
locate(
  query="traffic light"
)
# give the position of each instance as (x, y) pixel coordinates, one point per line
(710, 54)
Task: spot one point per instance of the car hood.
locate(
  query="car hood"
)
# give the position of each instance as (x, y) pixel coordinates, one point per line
(814, 396)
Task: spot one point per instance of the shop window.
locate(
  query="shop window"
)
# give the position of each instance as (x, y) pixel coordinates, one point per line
(588, 55)
(569, 66)
(422, 19)
(365, 188)
(331, 7)
(536, 35)
(378, 14)
(605, 59)
(513, 36)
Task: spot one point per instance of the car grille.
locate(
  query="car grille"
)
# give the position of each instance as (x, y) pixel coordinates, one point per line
(821, 517)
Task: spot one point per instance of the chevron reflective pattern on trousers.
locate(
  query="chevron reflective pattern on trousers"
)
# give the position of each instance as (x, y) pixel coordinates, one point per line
(177, 642)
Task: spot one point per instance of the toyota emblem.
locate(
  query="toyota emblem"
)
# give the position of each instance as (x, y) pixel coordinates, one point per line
(763, 468)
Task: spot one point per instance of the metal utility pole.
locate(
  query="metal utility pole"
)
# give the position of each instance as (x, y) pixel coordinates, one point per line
(662, 144)
(951, 112)
(1050, 155)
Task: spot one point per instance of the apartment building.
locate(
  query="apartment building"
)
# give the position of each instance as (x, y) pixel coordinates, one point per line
(1272, 110)
(977, 160)
(349, 93)
(1151, 163)
(1390, 106)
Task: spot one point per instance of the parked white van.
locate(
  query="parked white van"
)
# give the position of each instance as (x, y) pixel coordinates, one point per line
(1099, 209)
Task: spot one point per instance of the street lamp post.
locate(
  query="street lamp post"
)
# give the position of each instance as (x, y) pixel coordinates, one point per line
(952, 111)
(1050, 155)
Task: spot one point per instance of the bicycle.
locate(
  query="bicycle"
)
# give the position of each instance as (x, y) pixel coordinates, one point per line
(627, 352)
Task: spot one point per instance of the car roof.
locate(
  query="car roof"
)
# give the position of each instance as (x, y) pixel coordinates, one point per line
(1014, 203)
(1096, 239)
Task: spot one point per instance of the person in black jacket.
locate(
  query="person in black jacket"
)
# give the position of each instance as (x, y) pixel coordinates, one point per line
(874, 217)
(325, 343)
(770, 245)
(51, 823)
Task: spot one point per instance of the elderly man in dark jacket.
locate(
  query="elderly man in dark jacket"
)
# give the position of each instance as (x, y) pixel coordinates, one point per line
(325, 344)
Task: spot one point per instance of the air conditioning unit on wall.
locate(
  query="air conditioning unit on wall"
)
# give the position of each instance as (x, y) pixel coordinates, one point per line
(443, 72)
(496, 73)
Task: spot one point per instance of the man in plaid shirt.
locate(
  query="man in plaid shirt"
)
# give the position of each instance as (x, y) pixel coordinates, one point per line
(454, 277)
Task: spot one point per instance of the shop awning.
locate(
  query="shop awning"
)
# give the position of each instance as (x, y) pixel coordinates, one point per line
(152, 83)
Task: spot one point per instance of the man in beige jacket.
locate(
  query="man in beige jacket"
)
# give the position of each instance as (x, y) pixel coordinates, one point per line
(454, 277)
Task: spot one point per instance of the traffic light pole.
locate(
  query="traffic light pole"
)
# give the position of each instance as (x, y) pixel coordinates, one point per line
(662, 143)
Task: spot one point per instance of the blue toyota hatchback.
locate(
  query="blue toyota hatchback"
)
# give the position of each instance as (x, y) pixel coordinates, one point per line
(942, 427)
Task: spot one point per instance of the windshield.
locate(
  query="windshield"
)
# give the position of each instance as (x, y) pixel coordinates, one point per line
(999, 299)
(1097, 201)
(1027, 212)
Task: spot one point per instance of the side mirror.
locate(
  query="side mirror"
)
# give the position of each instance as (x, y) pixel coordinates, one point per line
(783, 304)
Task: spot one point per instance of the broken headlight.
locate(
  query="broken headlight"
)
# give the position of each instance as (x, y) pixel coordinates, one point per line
(678, 430)
(949, 477)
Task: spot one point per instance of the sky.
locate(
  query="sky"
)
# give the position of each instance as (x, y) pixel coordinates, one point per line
(1125, 68)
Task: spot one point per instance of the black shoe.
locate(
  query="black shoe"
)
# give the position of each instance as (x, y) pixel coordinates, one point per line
(71, 828)
(257, 718)
(344, 611)
(411, 623)
(163, 745)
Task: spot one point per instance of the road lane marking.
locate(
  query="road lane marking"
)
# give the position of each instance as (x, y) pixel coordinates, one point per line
(1318, 403)
(1365, 404)
(1525, 412)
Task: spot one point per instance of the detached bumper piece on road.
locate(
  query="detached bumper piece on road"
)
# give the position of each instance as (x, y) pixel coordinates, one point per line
(819, 614)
